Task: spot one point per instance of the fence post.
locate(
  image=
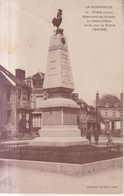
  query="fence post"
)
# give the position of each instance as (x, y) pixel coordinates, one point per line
(118, 149)
(81, 156)
(110, 151)
(20, 152)
(6, 151)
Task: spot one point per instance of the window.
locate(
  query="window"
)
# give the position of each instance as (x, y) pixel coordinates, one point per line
(28, 83)
(113, 113)
(106, 104)
(20, 116)
(19, 93)
(28, 96)
(24, 95)
(106, 113)
(8, 95)
(115, 104)
(117, 114)
(37, 120)
(117, 125)
(8, 116)
(102, 112)
(27, 121)
(24, 122)
(88, 109)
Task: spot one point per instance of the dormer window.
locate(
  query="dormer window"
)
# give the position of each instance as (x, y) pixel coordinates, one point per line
(115, 104)
(106, 105)
(28, 82)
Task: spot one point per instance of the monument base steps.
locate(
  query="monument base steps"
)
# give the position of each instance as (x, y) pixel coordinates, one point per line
(59, 131)
(58, 141)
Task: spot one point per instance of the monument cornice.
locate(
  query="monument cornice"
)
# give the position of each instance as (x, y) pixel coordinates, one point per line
(59, 102)
(51, 48)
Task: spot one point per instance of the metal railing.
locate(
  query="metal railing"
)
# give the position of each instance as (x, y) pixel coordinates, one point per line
(73, 154)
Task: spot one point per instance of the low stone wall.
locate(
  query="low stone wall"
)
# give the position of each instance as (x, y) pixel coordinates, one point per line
(90, 168)
(65, 168)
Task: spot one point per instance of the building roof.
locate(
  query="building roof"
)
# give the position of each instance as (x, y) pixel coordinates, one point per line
(3, 80)
(92, 108)
(12, 77)
(38, 79)
(108, 98)
(80, 101)
(83, 104)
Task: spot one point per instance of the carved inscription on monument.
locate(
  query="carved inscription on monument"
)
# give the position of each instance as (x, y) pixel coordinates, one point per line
(66, 69)
(58, 73)
(69, 116)
(52, 117)
(52, 65)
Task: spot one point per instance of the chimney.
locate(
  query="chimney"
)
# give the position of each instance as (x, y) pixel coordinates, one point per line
(121, 96)
(97, 98)
(20, 74)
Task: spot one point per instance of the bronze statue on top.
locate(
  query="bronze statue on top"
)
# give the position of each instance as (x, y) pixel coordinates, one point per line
(57, 21)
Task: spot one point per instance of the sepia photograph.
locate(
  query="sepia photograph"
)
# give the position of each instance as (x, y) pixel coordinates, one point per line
(61, 97)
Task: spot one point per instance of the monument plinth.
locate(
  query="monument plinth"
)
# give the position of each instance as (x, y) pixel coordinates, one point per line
(59, 111)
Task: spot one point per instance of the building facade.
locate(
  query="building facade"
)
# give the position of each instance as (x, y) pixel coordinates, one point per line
(16, 104)
(20, 100)
(7, 107)
(110, 113)
(20, 107)
(87, 116)
(37, 95)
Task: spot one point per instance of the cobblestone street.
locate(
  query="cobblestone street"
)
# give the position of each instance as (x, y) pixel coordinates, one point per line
(22, 180)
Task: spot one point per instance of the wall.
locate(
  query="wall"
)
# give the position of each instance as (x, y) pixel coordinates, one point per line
(69, 116)
(7, 122)
(52, 116)
(112, 117)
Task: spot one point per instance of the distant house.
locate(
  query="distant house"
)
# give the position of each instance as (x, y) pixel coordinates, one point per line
(110, 112)
(7, 107)
(87, 116)
(24, 103)
(38, 95)
(16, 105)
(20, 103)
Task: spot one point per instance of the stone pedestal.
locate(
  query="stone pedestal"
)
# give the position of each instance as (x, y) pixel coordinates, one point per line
(59, 111)
(58, 141)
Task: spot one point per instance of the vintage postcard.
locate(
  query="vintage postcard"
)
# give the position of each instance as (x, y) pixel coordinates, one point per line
(61, 96)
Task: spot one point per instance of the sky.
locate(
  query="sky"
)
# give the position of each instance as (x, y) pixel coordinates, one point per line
(96, 57)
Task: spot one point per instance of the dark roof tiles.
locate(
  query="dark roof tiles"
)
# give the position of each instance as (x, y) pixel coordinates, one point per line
(12, 77)
(108, 98)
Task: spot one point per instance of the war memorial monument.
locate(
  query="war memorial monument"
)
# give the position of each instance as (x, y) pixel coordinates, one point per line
(60, 147)
(59, 111)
